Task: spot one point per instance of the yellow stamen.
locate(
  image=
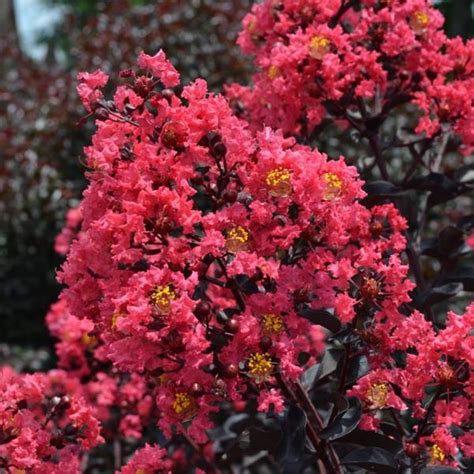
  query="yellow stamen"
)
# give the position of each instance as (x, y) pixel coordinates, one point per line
(183, 405)
(251, 25)
(278, 182)
(163, 379)
(273, 72)
(419, 22)
(162, 297)
(88, 340)
(237, 239)
(272, 323)
(446, 375)
(377, 395)
(113, 321)
(319, 46)
(437, 454)
(334, 186)
(260, 366)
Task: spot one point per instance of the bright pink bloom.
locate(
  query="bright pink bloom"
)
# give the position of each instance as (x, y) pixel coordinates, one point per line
(160, 67)
(89, 88)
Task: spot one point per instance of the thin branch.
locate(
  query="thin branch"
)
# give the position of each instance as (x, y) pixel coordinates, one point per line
(336, 465)
(117, 448)
(211, 467)
(232, 285)
(407, 144)
(345, 6)
(381, 163)
(398, 423)
(413, 259)
(429, 409)
(439, 156)
(310, 429)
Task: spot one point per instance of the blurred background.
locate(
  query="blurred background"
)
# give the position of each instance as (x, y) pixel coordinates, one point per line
(43, 45)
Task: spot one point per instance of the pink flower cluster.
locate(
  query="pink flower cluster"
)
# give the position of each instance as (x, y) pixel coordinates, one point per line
(45, 423)
(121, 402)
(337, 59)
(206, 250)
(210, 259)
(434, 384)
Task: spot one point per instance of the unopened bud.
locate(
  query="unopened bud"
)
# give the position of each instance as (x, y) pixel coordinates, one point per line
(231, 371)
(196, 390)
(202, 310)
(101, 113)
(232, 326)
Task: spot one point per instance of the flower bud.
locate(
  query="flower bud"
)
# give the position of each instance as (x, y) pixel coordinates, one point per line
(101, 113)
(168, 94)
(211, 369)
(232, 326)
(219, 149)
(55, 401)
(230, 195)
(376, 228)
(231, 371)
(202, 310)
(196, 390)
(413, 450)
(65, 402)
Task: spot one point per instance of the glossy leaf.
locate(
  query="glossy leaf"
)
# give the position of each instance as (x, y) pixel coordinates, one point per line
(344, 423)
(375, 460)
(321, 317)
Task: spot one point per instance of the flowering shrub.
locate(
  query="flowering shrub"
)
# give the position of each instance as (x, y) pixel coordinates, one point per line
(202, 243)
(356, 62)
(437, 364)
(385, 72)
(41, 140)
(211, 264)
(381, 81)
(45, 423)
(236, 301)
(121, 402)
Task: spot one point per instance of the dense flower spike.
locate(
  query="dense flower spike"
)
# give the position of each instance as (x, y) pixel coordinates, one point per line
(338, 59)
(204, 250)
